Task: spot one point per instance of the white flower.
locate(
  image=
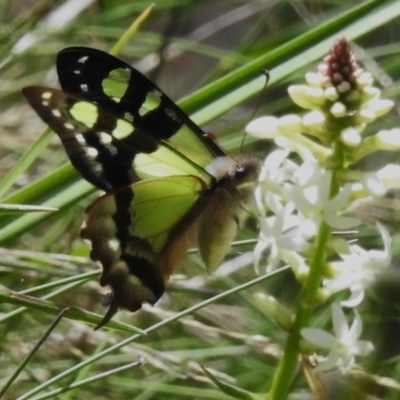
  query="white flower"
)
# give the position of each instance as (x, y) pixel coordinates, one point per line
(359, 270)
(277, 233)
(343, 346)
(276, 170)
(315, 205)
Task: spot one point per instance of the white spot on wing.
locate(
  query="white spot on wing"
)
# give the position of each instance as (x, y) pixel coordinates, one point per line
(46, 95)
(105, 138)
(77, 72)
(56, 113)
(97, 169)
(92, 152)
(171, 114)
(83, 59)
(112, 149)
(128, 116)
(84, 87)
(45, 103)
(113, 244)
(79, 137)
(68, 125)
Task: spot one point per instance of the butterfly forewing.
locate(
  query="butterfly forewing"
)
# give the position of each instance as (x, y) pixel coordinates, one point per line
(115, 86)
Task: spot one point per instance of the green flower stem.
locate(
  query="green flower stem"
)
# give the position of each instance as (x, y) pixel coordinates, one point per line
(288, 364)
(307, 302)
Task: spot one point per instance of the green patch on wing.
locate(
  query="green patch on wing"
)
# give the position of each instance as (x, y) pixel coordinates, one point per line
(165, 162)
(189, 144)
(160, 204)
(153, 101)
(116, 83)
(84, 112)
(183, 154)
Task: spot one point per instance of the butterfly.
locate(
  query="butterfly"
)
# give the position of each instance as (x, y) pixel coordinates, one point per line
(167, 183)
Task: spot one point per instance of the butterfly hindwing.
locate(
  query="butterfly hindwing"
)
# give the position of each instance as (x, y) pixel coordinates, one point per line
(140, 232)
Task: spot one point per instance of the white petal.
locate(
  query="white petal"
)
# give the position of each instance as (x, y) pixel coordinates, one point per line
(341, 222)
(356, 297)
(318, 337)
(307, 174)
(355, 329)
(261, 246)
(363, 348)
(339, 322)
(324, 186)
(387, 240)
(341, 198)
(300, 201)
(348, 361)
(329, 363)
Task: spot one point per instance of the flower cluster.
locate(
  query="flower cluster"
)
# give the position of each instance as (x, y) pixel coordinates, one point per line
(303, 204)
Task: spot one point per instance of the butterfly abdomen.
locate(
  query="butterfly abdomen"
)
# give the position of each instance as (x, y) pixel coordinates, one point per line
(227, 209)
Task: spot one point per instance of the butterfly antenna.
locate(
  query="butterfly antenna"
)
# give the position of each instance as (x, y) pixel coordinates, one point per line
(264, 72)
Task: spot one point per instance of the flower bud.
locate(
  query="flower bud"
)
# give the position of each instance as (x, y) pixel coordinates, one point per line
(314, 79)
(290, 124)
(299, 94)
(271, 308)
(350, 137)
(338, 110)
(388, 140)
(380, 106)
(365, 115)
(331, 93)
(264, 128)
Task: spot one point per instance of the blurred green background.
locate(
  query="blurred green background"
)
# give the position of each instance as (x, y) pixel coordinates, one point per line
(210, 56)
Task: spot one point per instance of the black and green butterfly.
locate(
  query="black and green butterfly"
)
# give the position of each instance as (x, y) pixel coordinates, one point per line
(167, 183)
